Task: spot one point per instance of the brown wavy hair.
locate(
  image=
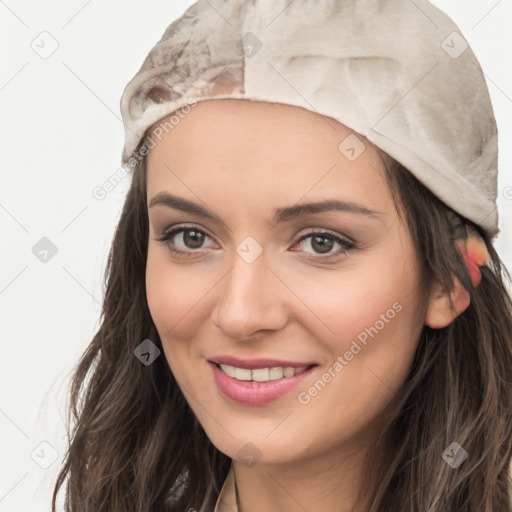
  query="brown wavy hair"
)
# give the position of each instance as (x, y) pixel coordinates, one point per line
(136, 446)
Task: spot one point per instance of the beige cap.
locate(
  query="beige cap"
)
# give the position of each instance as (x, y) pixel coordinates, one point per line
(398, 72)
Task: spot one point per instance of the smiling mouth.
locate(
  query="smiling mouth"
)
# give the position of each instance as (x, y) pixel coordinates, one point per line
(262, 374)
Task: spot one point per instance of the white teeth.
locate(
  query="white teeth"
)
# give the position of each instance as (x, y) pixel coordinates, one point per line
(261, 374)
(230, 370)
(288, 372)
(242, 374)
(276, 373)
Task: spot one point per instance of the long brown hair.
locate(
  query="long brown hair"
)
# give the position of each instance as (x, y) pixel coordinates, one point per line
(136, 446)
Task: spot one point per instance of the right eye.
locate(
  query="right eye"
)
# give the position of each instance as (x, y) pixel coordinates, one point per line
(189, 239)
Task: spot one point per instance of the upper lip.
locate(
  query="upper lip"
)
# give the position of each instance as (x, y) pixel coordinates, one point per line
(252, 364)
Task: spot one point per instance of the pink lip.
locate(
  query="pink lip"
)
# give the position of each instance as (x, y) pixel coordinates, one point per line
(251, 364)
(256, 393)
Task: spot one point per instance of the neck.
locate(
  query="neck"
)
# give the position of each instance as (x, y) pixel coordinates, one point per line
(328, 482)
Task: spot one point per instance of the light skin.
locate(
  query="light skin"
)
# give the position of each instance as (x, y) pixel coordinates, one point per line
(241, 161)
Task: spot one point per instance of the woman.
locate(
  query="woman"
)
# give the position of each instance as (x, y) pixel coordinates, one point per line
(304, 309)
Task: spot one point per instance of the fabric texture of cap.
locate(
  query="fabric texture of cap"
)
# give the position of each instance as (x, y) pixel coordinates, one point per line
(398, 72)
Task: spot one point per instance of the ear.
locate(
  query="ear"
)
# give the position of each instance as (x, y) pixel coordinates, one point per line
(440, 312)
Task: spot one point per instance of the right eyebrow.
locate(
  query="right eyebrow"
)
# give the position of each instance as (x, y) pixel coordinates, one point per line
(179, 203)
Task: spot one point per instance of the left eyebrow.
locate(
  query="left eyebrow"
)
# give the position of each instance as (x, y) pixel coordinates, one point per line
(280, 214)
(304, 209)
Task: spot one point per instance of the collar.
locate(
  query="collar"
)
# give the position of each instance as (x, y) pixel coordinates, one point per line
(226, 501)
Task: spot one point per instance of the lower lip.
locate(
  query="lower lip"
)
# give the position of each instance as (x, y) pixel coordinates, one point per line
(256, 393)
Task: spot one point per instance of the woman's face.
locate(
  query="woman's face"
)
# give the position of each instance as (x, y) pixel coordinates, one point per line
(292, 255)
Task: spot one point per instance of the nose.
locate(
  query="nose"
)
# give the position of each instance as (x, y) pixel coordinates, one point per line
(250, 298)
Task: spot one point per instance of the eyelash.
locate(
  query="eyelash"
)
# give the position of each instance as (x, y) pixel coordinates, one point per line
(347, 245)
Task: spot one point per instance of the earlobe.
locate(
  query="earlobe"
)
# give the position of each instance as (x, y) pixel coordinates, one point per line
(444, 307)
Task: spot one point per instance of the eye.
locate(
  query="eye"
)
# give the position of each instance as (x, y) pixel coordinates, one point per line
(188, 239)
(322, 242)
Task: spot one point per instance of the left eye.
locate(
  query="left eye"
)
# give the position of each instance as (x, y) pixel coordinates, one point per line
(192, 238)
(322, 242)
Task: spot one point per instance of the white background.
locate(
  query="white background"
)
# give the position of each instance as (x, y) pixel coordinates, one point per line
(61, 136)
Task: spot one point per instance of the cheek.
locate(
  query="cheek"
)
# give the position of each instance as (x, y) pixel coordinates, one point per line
(374, 320)
(346, 304)
(175, 294)
(179, 302)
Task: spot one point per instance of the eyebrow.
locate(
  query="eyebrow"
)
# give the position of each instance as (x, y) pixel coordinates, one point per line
(280, 214)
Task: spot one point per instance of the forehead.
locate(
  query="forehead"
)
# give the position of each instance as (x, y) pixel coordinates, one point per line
(278, 151)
